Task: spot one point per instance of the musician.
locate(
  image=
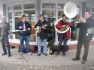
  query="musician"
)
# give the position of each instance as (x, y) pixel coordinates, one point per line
(24, 32)
(84, 37)
(5, 39)
(17, 20)
(41, 27)
(63, 37)
(51, 35)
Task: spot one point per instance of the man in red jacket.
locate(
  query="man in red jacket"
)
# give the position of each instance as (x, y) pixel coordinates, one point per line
(63, 37)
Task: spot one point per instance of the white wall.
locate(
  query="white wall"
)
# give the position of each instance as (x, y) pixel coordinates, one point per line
(56, 1)
(16, 1)
(26, 1)
(60, 1)
(90, 2)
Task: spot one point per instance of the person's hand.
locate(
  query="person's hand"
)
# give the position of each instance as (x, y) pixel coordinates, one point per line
(20, 27)
(43, 26)
(28, 28)
(37, 29)
(63, 26)
(82, 19)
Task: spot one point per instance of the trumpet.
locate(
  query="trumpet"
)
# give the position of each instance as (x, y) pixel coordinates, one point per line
(79, 19)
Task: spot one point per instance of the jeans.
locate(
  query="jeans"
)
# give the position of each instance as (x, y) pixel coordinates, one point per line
(62, 40)
(5, 45)
(39, 43)
(22, 39)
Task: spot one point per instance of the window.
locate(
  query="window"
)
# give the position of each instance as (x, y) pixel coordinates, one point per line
(60, 6)
(49, 13)
(48, 9)
(29, 6)
(29, 11)
(17, 14)
(10, 22)
(87, 9)
(48, 5)
(17, 7)
(31, 18)
(9, 15)
(92, 9)
(9, 8)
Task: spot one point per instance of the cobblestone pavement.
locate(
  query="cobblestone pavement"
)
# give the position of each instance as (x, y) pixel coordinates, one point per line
(5, 66)
(50, 62)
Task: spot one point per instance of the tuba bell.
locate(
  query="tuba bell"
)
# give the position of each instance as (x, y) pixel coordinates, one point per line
(70, 11)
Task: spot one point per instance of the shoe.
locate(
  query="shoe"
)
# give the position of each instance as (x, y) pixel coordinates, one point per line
(45, 54)
(9, 55)
(4, 54)
(76, 59)
(51, 53)
(57, 53)
(38, 54)
(21, 53)
(64, 54)
(30, 53)
(83, 62)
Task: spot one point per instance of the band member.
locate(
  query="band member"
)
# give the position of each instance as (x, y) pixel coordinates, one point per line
(51, 35)
(41, 27)
(17, 20)
(63, 37)
(5, 39)
(84, 37)
(24, 32)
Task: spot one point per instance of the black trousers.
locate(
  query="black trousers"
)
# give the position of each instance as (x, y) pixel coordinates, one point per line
(5, 45)
(86, 48)
(62, 38)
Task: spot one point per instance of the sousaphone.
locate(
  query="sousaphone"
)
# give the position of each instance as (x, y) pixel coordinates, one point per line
(70, 11)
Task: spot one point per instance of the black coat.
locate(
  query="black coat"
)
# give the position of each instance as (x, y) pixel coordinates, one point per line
(83, 29)
(43, 34)
(51, 33)
(19, 26)
(6, 29)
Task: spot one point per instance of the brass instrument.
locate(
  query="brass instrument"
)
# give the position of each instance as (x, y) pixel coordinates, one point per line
(79, 20)
(64, 28)
(70, 11)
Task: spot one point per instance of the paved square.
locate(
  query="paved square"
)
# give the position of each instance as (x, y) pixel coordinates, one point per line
(50, 62)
